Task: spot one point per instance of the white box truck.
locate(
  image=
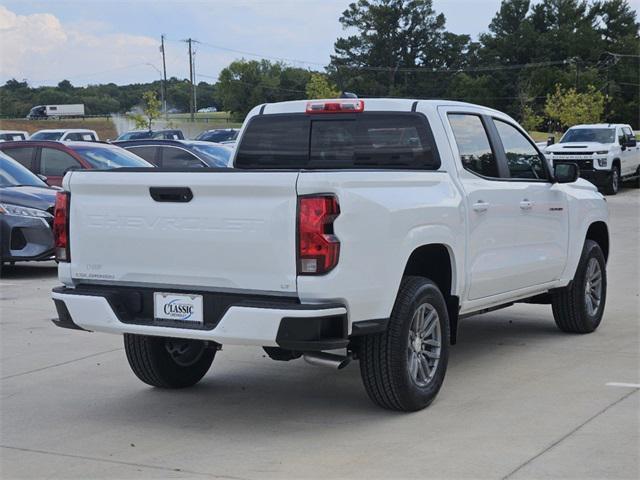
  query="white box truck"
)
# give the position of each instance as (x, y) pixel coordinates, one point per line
(56, 111)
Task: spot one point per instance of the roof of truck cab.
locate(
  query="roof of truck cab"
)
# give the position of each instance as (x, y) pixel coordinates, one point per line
(371, 104)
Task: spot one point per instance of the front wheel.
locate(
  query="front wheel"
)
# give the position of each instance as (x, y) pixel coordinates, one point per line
(168, 362)
(613, 185)
(403, 367)
(578, 308)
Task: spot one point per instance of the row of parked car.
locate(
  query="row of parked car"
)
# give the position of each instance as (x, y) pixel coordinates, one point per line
(32, 169)
(218, 135)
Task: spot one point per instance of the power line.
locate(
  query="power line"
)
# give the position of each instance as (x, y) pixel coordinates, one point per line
(258, 55)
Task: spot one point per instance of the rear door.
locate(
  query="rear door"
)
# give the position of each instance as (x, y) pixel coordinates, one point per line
(492, 240)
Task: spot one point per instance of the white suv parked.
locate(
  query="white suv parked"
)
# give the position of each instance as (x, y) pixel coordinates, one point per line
(605, 153)
(348, 229)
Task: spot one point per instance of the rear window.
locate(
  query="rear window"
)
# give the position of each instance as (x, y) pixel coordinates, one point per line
(367, 140)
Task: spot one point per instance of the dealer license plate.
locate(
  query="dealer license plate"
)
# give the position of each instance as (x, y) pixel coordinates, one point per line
(178, 307)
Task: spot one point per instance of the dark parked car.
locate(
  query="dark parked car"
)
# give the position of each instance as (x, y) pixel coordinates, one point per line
(26, 214)
(159, 134)
(219, 135)
(180, 153)
(53, 159)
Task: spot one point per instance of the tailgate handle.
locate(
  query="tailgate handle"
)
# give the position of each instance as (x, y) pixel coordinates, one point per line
(171, 194)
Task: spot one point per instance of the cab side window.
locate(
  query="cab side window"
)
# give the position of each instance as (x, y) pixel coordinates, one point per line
(629, 137)
(475, 150)
(178, 158)
(523, 159)
(23, 155)
(147, 153)
(55, 163)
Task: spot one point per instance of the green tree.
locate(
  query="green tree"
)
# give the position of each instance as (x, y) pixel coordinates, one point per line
(392, 36)
(244, 84)
(319, 87)
(530, 119)
(151, 110)
(568, 107)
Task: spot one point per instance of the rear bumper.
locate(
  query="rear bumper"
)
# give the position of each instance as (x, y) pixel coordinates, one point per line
(229, 318)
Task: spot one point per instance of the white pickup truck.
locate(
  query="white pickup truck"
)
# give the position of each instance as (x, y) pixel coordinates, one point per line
(347, 229)
(606, 154)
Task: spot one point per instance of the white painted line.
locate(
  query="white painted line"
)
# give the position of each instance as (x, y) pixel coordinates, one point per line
(627, 385)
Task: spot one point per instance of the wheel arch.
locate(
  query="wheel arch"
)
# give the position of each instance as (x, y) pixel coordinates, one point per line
(599, 233)
(437, 262)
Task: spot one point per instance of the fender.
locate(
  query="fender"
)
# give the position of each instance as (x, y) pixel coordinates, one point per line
(583, 212)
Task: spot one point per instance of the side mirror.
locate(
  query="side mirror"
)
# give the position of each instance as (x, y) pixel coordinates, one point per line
(551, 140)
(566, 172)
(631, 142)
(42, 177)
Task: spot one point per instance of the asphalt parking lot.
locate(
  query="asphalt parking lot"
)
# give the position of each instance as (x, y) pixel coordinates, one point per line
(521, 400)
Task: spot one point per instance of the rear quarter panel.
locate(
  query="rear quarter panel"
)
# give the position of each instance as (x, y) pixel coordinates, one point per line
(384, 216)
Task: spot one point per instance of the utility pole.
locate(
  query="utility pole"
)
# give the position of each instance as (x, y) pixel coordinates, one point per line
(164, 83)
(195, 84)
(192, 103)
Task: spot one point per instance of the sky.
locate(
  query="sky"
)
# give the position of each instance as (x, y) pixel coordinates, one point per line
(102, 41)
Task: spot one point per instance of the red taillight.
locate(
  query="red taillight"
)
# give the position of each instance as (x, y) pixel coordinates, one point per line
(318, 247)
(335, 106)
(61, 227)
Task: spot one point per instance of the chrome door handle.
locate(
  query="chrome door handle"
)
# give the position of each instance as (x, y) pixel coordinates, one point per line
(480, 206)
(526, 204)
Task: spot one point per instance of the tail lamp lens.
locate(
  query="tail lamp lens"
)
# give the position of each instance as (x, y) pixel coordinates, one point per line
(318, 247)
(61, 227)
(335, 106)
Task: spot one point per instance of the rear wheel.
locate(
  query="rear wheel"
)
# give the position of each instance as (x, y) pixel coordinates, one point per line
(578, 308)
(168, 362)
(403, 368)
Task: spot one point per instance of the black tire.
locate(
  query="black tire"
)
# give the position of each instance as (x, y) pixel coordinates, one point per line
(569, 304)
(613, 185)
(151, 360)
(385, 357)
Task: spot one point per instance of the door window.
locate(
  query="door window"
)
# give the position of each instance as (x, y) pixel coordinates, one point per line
(629, 136)
(147, 153)
(178, 158)
(523, 160)
(471, 137)
(55, 163)
(22, 155)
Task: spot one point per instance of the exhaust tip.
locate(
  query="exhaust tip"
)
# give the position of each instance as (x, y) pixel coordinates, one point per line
(331, 360)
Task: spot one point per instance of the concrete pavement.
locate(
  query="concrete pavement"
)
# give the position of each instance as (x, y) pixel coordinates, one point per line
(521, 400)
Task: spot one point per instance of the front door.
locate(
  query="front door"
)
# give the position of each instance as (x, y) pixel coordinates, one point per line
(539, 208)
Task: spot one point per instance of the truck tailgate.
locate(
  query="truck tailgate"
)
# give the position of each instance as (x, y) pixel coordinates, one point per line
(236, 233)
